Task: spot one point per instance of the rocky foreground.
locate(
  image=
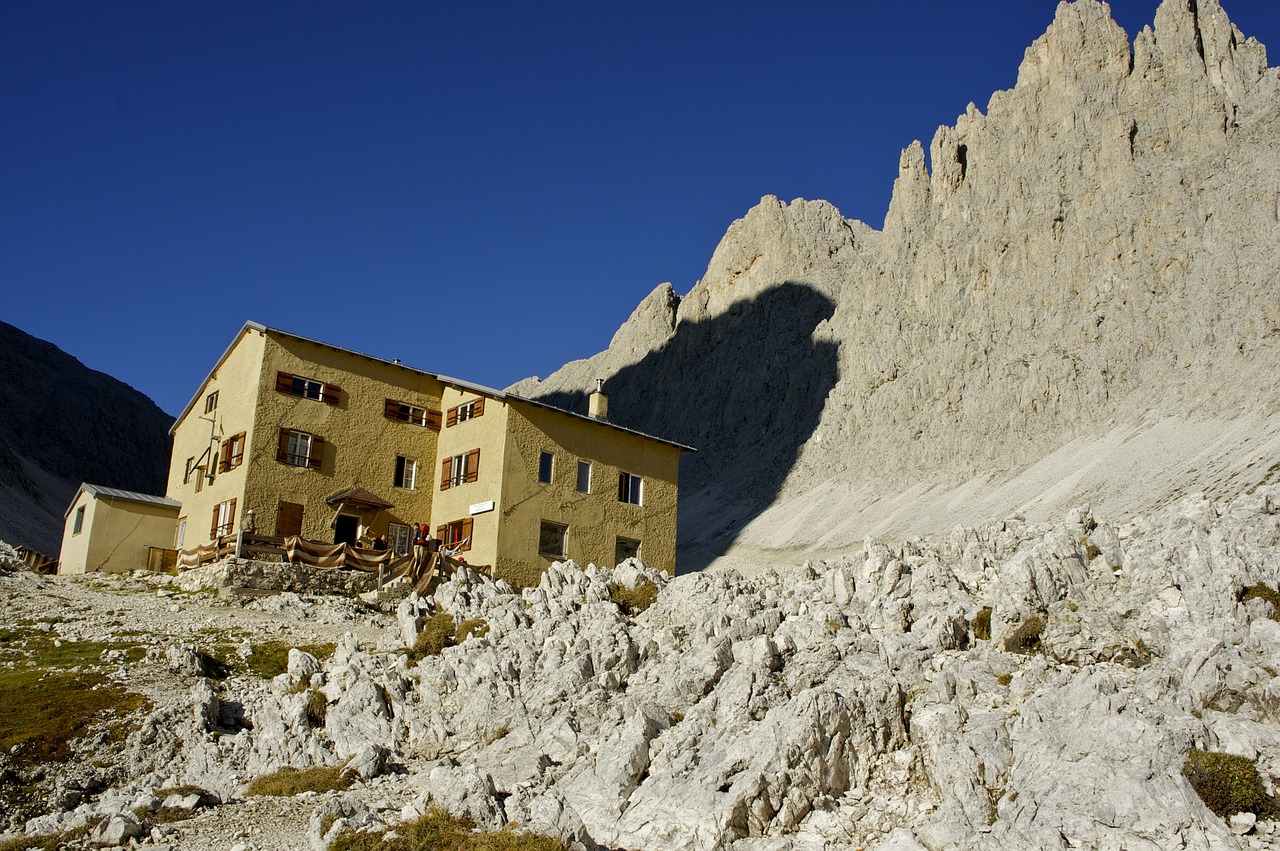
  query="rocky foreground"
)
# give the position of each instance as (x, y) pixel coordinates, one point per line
(1012, 686)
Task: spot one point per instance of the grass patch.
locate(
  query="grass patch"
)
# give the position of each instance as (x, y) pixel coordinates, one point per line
(981, 624)
(440, 632)
(438, 831)
(288, 782)
(635, 600)
(1026, 638)
(57, 692)
(1229, 784)
(271, 659)
(317, 707)
(48, 842)
(1004, 679)
(1262, 591)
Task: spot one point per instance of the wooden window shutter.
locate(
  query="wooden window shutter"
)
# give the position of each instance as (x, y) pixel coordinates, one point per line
(472, 466)
(331, 394)
(282, 448)
(446, 472)
(451, 417)
(392, 410)
(466, 533)
(624, 489)
(478, 407)
(213, 528)
(433, 420)
(224, 465)
(289, 519)
(440, 530)
(317, 452)
(284, 382)
(231, 517)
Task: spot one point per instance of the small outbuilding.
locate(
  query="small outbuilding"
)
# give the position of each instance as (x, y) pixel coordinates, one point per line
(112, 530)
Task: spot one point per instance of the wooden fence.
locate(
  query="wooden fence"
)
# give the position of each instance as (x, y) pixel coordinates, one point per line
(294, 550)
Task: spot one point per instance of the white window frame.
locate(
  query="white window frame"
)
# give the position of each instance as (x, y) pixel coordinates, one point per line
(400, 538)
(211, 402)
(412, 414)
(298, 452)
(634, 489)
(466, 411)
(458, 471)
(77, 525)
(584, 467)
(226, 519)
(617, 545)
(182, 534)
(406, 474)
(306, 387)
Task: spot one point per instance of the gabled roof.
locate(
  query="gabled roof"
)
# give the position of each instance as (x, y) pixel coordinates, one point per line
(116, 493)
(456, 382)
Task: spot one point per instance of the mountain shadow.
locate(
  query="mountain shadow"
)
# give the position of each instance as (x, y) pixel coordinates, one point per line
(746, 389)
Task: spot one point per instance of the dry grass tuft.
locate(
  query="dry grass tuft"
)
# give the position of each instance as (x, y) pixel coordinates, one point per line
(438, 831)
(288, 782)
(1229, 784)
(635, 600)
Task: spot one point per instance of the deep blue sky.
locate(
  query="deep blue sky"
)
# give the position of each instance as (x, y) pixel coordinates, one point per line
(480, 189)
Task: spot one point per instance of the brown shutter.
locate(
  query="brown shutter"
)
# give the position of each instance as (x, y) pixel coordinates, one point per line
(472, 466)
(479, 407)
(392, 410)
(331, 394)
(231, 515)
(289, 519)
(433, 420)
(451, 417)
(466, 533)
(284, 382)
(440, 530)
(213, 527)
(224, 465)
(282, 448)
(446, 472)
(317, 452)
(624, 492)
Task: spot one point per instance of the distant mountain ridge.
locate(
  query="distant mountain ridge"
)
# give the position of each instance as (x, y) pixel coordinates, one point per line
(1075, 298)
(62, 423)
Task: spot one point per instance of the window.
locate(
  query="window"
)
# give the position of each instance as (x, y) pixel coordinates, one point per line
(626, 548)
(399, 537)
(460, 469)
(630, 489)
(406, 413)
(406, 472)
(455, 534)
(546, 462)
(232, 453)
(584, 477)
(308, 388)
(199, 471)
(465, 411)
(182, 534)
(212, 472)
(300, 449)
(224, 519)
(211, 402)
(288, 519)
(191, 467)
(78, 523)
(551, 539)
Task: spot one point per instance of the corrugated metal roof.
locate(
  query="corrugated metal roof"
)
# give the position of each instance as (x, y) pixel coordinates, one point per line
(116, 493)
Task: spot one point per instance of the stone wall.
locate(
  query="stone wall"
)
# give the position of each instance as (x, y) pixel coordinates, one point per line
(238, 574)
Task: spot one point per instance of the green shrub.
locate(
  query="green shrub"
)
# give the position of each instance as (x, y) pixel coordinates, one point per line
(982, 624)
(1228, 784)
(290, 781)
(1026, 638)
(635, 600)
(271, 659)
(1262, 591)
(438, 831)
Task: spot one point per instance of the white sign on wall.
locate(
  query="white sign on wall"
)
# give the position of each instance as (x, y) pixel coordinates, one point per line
(482, 507)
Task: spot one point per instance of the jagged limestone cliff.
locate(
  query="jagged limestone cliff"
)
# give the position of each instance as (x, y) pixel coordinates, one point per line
(1077, 297)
